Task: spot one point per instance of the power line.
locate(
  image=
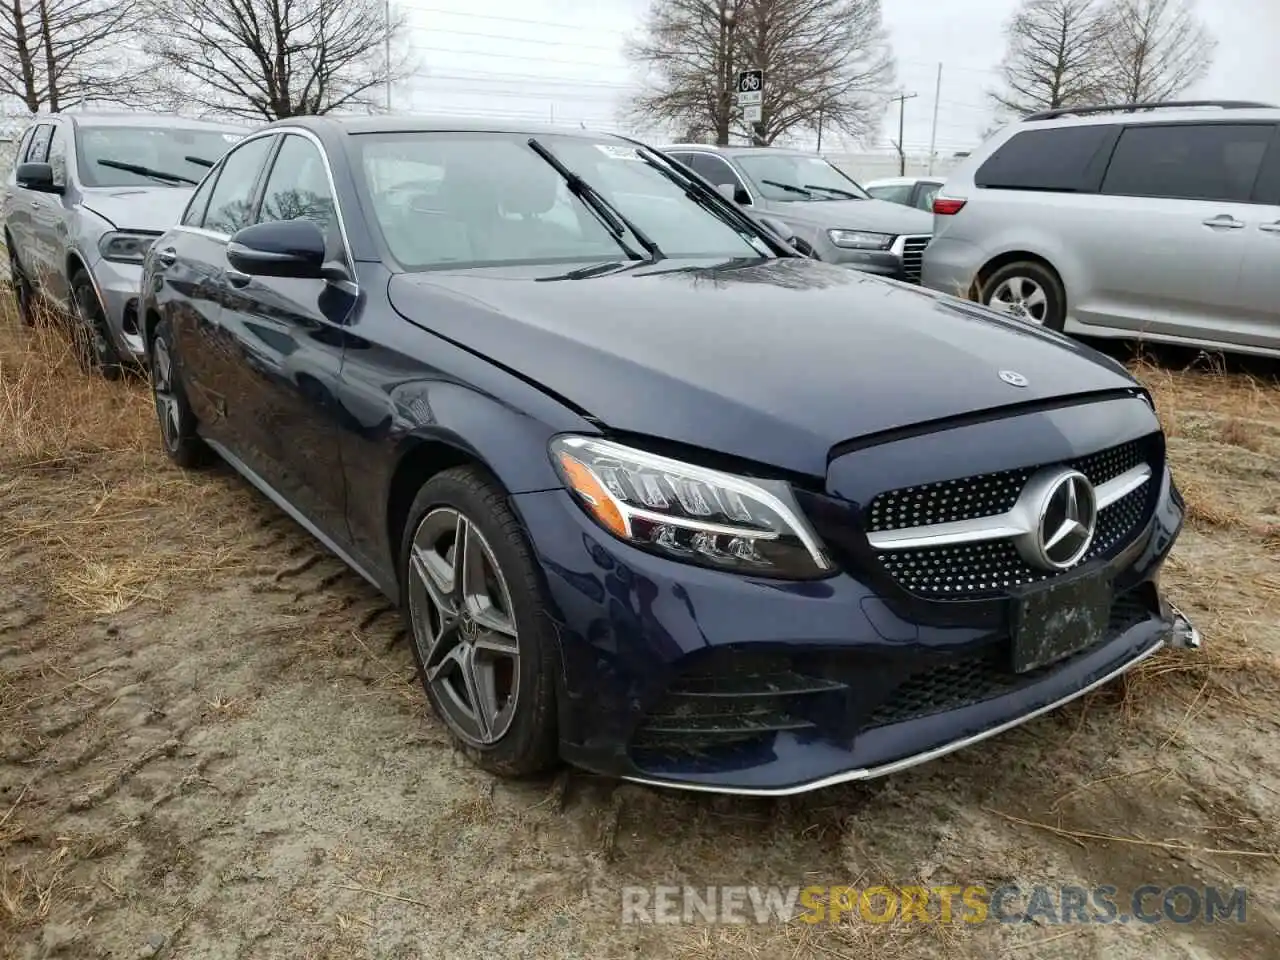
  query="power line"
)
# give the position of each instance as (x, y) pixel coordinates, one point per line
(510, 39)
(502, 19)
(516, 56)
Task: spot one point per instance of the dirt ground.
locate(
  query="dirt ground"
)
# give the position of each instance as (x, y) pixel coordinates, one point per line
(212, 744)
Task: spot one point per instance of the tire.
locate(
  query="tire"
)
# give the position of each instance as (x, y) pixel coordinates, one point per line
(1028, 290)
(23, 292)
(517, 736)
(177, 423)
(94, 347)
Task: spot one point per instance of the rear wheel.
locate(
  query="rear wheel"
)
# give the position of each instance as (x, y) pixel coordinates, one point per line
(23, 292)
(177, 423)
(482, 640)
(1029, 291)
(94, 346)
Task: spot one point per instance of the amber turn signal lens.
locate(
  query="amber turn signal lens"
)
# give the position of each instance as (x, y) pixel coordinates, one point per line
(597, 499)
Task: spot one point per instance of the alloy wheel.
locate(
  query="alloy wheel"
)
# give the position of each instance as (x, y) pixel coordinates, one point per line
(166, 403)
(1020, 297)
(464, 626)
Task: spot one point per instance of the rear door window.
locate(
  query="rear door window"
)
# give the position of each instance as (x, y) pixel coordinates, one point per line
(1063, 159)
(1200, 161)
(1267, 189)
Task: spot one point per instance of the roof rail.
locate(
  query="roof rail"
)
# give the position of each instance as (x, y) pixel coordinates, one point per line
(1157, 105)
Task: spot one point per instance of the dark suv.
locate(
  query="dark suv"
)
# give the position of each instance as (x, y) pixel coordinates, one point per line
(656, 495)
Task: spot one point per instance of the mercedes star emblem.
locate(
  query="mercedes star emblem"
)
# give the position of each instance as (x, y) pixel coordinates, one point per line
(1013, 378)
(1067, 517)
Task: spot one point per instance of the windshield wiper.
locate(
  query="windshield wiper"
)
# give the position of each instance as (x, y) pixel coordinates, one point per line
(849, 194)
(147, 172)
(614, 221)
(789, 187)
(200, 161)
(700, 193)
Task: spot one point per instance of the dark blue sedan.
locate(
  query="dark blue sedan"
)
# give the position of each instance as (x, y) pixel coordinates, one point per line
(657, 495)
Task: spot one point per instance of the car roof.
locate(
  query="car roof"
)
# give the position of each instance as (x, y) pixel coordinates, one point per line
(1252, 112)
(898, 181)
(739, 151)
(427, 123)
(147, 120)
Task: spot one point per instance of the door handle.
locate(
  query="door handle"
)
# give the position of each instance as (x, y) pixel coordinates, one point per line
(167, 257)
(1271, 227)
(1224, 221)
(238, 279)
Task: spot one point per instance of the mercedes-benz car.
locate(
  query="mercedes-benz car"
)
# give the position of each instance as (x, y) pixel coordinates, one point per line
(88, 194)
(656, 494)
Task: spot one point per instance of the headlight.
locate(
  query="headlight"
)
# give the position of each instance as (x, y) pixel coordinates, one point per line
(861, 239)
(685, 512)
(125, 247)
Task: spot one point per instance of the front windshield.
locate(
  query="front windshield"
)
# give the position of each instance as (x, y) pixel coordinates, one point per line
(162, 149)
(797, 177)
(481, 199)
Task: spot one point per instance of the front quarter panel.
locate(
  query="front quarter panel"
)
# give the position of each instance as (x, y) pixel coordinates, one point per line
(404, 386)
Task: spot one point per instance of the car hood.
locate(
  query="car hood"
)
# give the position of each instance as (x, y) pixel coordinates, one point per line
(878, 215)
(773, 361)
(138, 208)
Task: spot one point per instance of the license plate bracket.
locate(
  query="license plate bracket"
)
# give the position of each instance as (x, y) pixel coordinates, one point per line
(1051, 622)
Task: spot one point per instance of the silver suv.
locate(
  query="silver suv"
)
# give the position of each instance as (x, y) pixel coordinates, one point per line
(88, 195)
(825, 213)
(1150, 221)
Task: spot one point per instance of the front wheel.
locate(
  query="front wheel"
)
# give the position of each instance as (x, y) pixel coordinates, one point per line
(484, 645)
(1029, 291)
(94, 347)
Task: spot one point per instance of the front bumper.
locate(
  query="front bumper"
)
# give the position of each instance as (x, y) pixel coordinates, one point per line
(118, 286)
(902, 261)
(951, 266)
(631, 625)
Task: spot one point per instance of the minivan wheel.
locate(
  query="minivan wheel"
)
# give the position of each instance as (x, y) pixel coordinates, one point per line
(1029, 291)
(177, 423)
(484, 645)
(93, 340)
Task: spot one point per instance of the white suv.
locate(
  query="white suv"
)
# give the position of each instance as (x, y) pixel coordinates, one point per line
(1153, 221)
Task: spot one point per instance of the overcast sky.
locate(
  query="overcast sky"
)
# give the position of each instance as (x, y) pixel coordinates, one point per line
(562, 60)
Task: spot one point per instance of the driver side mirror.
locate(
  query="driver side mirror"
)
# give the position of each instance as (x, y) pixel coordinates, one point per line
(734, 194)
(280, 248)
(36, 176)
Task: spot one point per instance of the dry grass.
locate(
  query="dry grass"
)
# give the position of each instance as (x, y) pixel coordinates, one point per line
(94, 521)
(101, 441)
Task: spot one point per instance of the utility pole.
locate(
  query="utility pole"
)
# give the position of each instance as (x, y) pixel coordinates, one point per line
(819, 129)
(386, 14)
(901, 99)
(933, 133)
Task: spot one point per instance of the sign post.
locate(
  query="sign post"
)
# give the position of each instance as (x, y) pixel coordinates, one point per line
(749, 90)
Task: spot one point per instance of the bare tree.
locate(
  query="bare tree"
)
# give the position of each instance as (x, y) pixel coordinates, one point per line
(827, 63)
(1156, 49)
(271, 59)
(1055, 56)
(56, 53)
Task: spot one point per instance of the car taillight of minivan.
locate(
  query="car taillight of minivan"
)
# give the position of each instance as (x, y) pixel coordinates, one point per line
(947, 207)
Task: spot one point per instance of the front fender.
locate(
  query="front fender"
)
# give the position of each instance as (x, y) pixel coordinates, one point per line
(511, 443)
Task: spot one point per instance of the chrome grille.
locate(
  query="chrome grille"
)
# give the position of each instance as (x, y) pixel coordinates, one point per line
(913, 257)
(990, 567)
